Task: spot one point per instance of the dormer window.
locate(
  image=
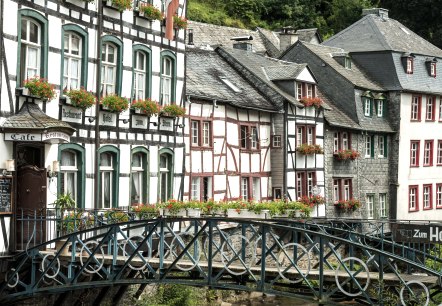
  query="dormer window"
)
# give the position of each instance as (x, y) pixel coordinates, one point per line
(430, 63)
(347, 62)
(433, 69)
(410, 65)
(367, 103)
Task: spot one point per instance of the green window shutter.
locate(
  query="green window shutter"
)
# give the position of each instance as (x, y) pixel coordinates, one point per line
(371, 107)
(372, 146)
(385, 146)
(384, 110)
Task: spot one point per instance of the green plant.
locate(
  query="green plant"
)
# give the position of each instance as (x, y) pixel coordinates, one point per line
(64, 201)
(151, 12)
(173, 206)
(122, 5)
(348, 205)
(115, 103)
(145, 211)
(308, 149)
(81, 98)
(311, 101)
(179, 22)
(148, 107)
(312, 200)
(40, 88)
(172, 110)
(346, 154)
(212, 207)
(116, 216)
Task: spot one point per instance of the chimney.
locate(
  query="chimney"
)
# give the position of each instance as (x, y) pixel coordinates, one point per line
(241, 43)
(287, 37)
(381, 12)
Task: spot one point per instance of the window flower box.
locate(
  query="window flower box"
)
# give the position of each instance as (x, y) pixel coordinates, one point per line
(80, 98)
(308, 149)
(146, 107)
(346, 154)
(39, 88)
(165, 212)
(311, 101)
(120, 5)
(172, 110)
(312, 200)
(114, 103)
(145, 211)
(247, 214)
(149, 11)
(348, 205)
(179, 22)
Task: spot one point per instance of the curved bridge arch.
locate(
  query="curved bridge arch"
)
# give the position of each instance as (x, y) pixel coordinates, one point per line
(320, 260)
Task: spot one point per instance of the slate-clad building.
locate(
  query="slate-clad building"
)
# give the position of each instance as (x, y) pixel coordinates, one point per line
(406, 66)
(357, 121)
(55, 146)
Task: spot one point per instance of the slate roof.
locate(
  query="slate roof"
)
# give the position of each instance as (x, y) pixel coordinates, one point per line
(355, 75)
(271, 41)
(374, 33)
(204, 72)
(335, 117)
(290, 72)
(31, 118)
(307, 35)
(255, 65)
(205, 34)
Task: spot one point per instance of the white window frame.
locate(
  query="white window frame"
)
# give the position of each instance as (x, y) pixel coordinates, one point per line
(412, 198)
(367, 106)
(367, 150)
(347, 189)
(409, 65)
(245, 188)
(383, 205)
(429, 108)
(427, 153)
(369, 200)
(140, 76)
(108, 87)
(276, 141)
(380, 108)
(69, 58)
(206, 134)
(310, 90)
(335, 142)
(195, 188)
(164, 171)
(345, 142)
(299, 90)
(103, 171)
(138, 172)
(414, 153)
(415, 108)
(27, 44)
(299, 135)
(438, 195)
(195, 132)
(440, 109)
(299, 187)
(439, 152)
(381, 146)
(166, 80)
(253, 137)
(426, 197)
(433, 69)
(256, 184)
(65, 171)
(335, 190)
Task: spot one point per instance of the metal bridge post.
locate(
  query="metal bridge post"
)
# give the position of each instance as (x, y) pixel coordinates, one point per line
(321, 268)
(263, 258)
(210, 254)
(161, 248)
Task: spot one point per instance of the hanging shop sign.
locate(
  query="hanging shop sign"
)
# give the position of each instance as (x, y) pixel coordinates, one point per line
(429, 233)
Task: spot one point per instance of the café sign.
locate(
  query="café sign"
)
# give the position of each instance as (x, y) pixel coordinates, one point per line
(51, 137)
(430, 233)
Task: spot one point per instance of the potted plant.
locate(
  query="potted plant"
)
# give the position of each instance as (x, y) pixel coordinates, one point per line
(346, 154)
(172, 110)
(149, 11)
(145, 211)
(115, 103)
(80, 98)
(147, 107)
(179, 22)
(173, 208)
(311, 101)
(40, 88)
(308, 149)
(120, 5)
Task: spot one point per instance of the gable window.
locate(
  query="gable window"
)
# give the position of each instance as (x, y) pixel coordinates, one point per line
(433, 69)
(165, 175)
(310, 90)
(427, 197)
(276, 141)
(369, 146)
(414, 153)
(367, 102)
(299, 90)
(369, 200)
(439, 153)
(410, 65)
(382, 146)
(305, 134)
(33, 45)
(413, 204)
(440, 109)
(108, 177)
(438, 195)
(249, 137)
(139, 178)
(72, 172)
(428, 153)
(416, 108)
(253, 137)
(341, 141)
(380, 108)
(430, 109)
(347, 62)
(382, 205)
(342, 189)
(201, 133)
(168, 77)
(201, 188)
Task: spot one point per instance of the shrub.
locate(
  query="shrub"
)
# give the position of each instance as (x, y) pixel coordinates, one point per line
(115, 103)
(147, 107)
(173, 110)
(81, 98)
(40, 88)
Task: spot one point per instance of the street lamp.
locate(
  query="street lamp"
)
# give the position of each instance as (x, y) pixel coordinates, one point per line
(316, 190)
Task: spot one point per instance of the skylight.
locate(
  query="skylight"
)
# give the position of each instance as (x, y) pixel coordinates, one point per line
(230, 84)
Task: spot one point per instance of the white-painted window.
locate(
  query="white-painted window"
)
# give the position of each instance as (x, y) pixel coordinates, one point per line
(107, 179)
(299, 136)
(310, 135)
(335, 141)
(433, 69)
(380, 108)
(195, 188)
(438, 195)
(69, 173)
(368, 146)
(440, 109)
(108, 69)
(299, 181)
(166, 79)
(345, 141)
(367, 106)
(310, 183)
(299, 90)
(428, 153)
(381, 146)
(347, 190)
(429, 112)
(165, 177)
(310, 90)
(254, 137)
(137, 177)
(382, 205)
(416, 108)
(245, 188)
(140, 76)
(412, 197)
(30, 49)
(336, 196)
(276, 141)
(409, 65)
(414, 153)
(206, 133)
(256, 189)
(369, 201)
(347, 62)
(195, 132)
(72, 61)
(439, 152)
(427, 197)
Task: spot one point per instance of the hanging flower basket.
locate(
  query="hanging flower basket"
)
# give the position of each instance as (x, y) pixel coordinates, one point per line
(311, 101)
(179, 22)
(307, 149)
(172, 110)
(349, 205)
(40, 88)
(146, 107)
(115, 103)
(150, 12)
(346, 154)
(80, 98)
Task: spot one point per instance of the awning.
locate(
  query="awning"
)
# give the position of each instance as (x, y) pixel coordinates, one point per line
(33, 125)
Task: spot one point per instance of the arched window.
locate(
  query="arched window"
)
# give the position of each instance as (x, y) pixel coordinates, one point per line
(74, 55)
(32, 47)
(108, 177)
(165, 174)
(139, 176)
(72, 172)
(111, 65)
(142, 72)
(168, 77)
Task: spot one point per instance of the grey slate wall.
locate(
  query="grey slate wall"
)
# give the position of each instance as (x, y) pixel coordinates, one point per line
(277, 160)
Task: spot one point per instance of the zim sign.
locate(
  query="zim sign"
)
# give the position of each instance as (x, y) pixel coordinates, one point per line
(417, 233)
